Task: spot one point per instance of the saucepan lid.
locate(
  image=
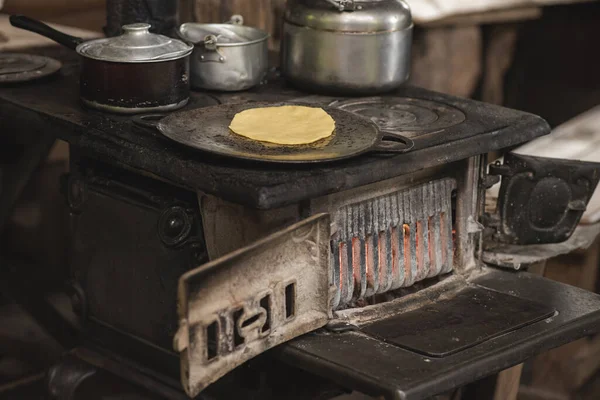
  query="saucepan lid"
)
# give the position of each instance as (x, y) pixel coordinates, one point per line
(136, 45)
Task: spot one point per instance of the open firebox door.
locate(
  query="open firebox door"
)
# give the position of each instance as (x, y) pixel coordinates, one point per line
(242, 304)
(452, 330)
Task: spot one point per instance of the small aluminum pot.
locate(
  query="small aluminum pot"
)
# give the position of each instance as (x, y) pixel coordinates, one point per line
(227, 57)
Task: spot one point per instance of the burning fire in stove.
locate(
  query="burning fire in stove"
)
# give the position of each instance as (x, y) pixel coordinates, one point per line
(393, 241)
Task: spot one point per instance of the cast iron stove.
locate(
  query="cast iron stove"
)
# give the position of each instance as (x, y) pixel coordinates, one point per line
(365, 273)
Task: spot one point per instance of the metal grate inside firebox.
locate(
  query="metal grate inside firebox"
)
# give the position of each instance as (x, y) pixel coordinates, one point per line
(392, 241)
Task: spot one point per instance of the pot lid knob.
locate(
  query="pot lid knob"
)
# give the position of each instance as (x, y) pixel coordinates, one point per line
(137, 28)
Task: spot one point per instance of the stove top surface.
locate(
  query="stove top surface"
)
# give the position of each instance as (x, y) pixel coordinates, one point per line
(443, 128)
(411, 117)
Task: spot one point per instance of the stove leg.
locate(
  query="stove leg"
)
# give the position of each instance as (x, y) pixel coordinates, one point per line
(64, 378)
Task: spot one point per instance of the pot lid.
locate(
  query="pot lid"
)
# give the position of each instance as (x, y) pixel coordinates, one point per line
(350, 15)
(136, 45)
(227, 35)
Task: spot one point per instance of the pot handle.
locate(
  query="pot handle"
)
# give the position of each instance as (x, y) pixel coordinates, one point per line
(211, 42)
(148, 120)
(32, 25)
(214, 54)
(235, 19)
(393, 143)
(344, 5)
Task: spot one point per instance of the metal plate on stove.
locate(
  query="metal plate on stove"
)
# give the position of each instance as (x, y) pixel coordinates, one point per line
(16, 67)
(208, 129)
(410, 116)
(471, 317)
(359, 361)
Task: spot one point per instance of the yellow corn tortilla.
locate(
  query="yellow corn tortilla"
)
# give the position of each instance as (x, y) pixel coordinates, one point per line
(291, 125)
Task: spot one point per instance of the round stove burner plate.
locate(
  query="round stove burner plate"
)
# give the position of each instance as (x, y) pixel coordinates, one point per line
(16, 67)
(408, 116)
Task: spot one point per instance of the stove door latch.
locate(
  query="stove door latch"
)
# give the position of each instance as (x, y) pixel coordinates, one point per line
(541, 200)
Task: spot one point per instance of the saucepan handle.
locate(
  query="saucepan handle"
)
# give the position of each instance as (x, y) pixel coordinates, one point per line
(32, 25)
(148, 120)
(393, 143)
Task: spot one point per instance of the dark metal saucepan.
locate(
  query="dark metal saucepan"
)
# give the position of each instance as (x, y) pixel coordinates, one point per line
(133, 73)
(207, 129)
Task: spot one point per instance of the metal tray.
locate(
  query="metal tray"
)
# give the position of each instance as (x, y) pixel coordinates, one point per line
(207, 129)
(18, 68)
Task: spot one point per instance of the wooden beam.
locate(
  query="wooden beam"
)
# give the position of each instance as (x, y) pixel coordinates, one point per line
(507, 385)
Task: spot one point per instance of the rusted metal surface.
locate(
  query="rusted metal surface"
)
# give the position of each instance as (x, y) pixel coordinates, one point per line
(236, 307)
(392, 241)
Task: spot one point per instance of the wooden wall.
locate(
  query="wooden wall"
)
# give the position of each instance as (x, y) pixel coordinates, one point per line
(84, 14)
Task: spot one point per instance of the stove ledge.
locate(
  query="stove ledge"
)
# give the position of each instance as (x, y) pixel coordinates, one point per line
(362, 362)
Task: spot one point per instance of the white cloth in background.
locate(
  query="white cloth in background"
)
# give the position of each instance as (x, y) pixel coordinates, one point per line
(432, 10)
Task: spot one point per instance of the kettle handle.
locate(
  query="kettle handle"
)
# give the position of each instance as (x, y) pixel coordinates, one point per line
(344, 5)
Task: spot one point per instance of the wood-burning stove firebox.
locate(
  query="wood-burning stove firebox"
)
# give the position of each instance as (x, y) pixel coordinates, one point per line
(367, 272)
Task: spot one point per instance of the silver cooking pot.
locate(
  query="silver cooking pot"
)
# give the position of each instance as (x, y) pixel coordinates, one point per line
(226, 57)
(347, 46)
